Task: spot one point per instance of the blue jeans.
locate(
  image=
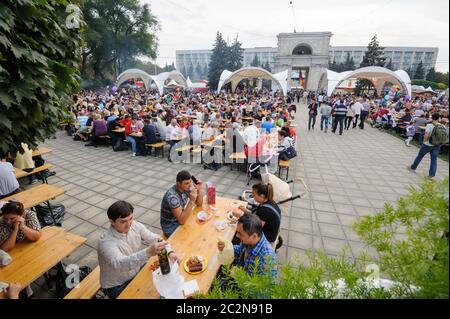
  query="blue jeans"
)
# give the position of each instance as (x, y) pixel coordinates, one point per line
(133, 143)
(424, 150)
(322, 120)
(114, 292)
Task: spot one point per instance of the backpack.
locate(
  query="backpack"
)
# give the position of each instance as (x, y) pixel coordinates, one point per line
(439, 135)
(120, 146)
(61, 288)
(45, 216)
(288, 154)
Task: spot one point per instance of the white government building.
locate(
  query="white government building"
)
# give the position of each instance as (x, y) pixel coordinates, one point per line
(307, 54)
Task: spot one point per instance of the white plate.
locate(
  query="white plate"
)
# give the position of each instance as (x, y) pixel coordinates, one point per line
(221, 225)
(202, 215)
(213, 208)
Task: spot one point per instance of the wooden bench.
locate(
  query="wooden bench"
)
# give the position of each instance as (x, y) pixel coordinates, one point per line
(88, 286)
(283, 165)
(38, 170)
(155, 146)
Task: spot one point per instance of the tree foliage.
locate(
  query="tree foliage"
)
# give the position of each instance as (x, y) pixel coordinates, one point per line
(235, 56)
(411, 244)
(374, 55)
(420, 72)
(218, 61)
(39, 58)
(117, 32)
(255, 62)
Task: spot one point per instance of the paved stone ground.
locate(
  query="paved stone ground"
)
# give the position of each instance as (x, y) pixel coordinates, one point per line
(349, 176)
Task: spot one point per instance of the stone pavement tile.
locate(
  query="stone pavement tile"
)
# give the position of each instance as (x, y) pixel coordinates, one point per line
(364, 211)
(384, 189)
(90, 260)
(105, 204)
(351, 235)
(111, 191)
(76, 191)
(149, 218)
(301, 225)
(327, 217)
(360, 201)
(68, 203)
(282, 254)
(99, 219)
(347, 220)
(339, 199)
(83, 229)
(301, 213)
(318, 189)
(136, 198)
(78, 207)
(374, 195)
(296, 256)
(300, 240)
(336, 191)
(92, 238)
(285, 222)
(318, 244)
(89, 212)
(92, 184)
(85, 195)
(79, 253)
(123, 194)
(323, 206)
(334, 246)
(149, 202)
(72, 222)
(95, 199)
(331, 231)
(321, 197)
(345, 209)
(390, 197)
(377, 203)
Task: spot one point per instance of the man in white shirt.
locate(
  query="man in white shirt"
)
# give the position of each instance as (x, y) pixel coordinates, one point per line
(252, 134)
(121, 250)
(173, 135)
(357, 108)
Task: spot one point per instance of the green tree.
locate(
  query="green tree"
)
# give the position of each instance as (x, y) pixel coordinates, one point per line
(349, 64)
(410, 72)
(266, 66)
(218, 61)
(39, 60)
(374, 55)
(117, 32)
(431, 75)
(198, 71)
(255, 62)
(389, 65)
(235, 56)
(190, 71)
(419, 74)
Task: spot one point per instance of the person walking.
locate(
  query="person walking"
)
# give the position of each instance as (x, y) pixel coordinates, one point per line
(364, 114)
(435, 136)
(313, 107)
(340, 112)
(325, 112)
(357, 107)
(349, 117)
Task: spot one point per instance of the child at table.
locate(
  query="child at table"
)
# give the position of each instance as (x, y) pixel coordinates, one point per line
(410, 133)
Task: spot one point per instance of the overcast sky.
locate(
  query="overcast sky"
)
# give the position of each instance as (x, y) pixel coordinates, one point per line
(192, 24)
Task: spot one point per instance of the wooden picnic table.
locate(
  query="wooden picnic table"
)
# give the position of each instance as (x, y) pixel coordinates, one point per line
(189, 239)
(36, 195)
(41, 151)
(30, 260)
(119, 130)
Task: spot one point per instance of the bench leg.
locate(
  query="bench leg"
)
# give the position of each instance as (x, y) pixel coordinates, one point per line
(51, 213)
(47, 281)
(287, 174)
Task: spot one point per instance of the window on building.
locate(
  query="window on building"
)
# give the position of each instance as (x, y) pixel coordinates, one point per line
(302, 50)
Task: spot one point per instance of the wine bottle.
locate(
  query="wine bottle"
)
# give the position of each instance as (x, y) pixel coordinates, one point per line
(163, 259)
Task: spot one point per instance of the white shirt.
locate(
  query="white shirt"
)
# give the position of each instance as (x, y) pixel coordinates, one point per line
(8, 181)
(251, 135)
(357, 108)
(320, 98)
(172, 132)
(121, 256)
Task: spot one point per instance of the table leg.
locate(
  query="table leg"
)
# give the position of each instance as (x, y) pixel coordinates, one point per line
(51, 212)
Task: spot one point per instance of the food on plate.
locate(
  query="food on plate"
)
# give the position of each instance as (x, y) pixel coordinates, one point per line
(221, 225)
(195, 264)
(202, 215)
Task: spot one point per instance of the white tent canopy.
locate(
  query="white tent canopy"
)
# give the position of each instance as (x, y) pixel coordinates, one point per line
(378, 75)
(159, 79)
(236, 77)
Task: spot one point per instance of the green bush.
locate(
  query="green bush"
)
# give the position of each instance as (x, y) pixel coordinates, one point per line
(411, 249)
(433, 85)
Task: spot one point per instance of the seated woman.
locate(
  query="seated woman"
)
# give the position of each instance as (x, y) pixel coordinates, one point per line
(17, 225)
(267, 210)
(285, 143)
